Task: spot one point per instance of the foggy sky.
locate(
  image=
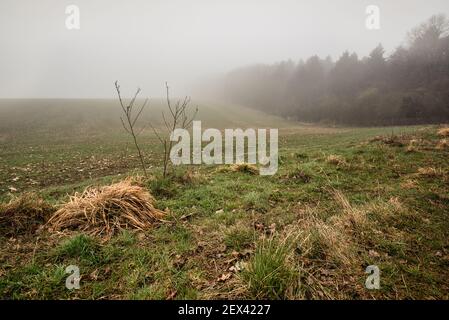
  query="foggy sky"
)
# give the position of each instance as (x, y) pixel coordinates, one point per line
(147, 42)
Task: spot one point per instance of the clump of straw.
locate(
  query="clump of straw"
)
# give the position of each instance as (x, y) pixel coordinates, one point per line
(104, 210)
(245, 167)
(336, 160)
(24, 214)
(443, 132)
(443, 144)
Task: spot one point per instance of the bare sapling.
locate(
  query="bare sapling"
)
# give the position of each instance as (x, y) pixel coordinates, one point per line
(178, 117)
(130, 120)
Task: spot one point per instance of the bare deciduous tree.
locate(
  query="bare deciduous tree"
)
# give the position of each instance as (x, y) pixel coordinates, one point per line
(178, 117)
(129, 124)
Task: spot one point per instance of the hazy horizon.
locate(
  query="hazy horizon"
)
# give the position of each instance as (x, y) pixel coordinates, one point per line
(146, 43)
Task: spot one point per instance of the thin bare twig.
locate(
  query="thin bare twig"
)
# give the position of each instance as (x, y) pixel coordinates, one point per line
(178, 118)
(131, 120)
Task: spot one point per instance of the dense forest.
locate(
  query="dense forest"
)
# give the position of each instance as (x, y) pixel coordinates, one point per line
(409, 86)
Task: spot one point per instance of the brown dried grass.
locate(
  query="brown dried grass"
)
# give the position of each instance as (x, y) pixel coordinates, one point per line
(429, 172)
(24, 214)
(107, 209)
(325, 242)
(443, 132)
(336, 160)
(393, 140)
(351, 218)
(245, 167)
(443, 144)
(411, 147)
(190, 177)
(409, 184)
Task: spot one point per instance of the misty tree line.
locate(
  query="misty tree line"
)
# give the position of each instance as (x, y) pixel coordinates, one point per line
(409, 86)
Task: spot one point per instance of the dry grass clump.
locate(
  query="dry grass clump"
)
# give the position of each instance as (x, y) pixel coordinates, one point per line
(244, 167)
(411, 149)
(24, 214)
(392, 140)
(443, 132)
(333, 240)
(351, 218)
(333, 248)
(388, 214)
(429, 172)
(104, 210)
(376, 139)
(396, 204)
(298, 175)
(443, 144)
(392, 208)
(325, 242)
(409, 184)
(189, 177)
(239, 167)
(412, 146)
(336, 160)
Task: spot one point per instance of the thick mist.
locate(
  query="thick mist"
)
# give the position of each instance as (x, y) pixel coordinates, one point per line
(145, 43)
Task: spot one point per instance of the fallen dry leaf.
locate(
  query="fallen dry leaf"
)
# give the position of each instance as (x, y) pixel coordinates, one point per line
(224, 277)
(94, 275)
(373, 253)
(172, 295)
(239, 266)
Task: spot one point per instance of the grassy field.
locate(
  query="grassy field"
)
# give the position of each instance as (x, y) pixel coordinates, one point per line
(343, 199)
